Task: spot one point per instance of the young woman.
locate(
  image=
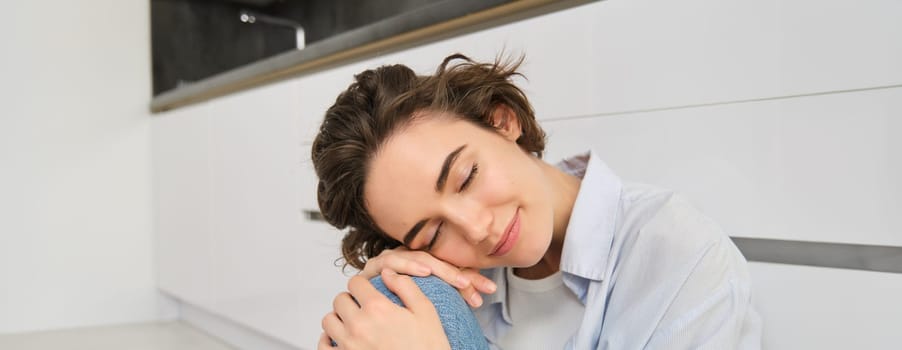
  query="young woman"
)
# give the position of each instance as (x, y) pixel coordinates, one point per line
(442, 175)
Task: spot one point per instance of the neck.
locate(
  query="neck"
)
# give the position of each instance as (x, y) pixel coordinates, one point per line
(564, 188)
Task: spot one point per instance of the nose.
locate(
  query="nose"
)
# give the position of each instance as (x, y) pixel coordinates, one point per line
(471, 218)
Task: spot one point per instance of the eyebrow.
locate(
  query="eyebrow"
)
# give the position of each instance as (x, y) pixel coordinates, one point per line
(442, 179)
(446, 168)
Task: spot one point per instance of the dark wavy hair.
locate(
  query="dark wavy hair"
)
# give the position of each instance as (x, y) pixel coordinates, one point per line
(382, 101)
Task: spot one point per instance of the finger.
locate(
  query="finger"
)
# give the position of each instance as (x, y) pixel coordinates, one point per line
(443, 270)
(345, 306)
(334, 328)
(415, 263)
(362, 290)
(400, 260)
(406, 289)
(481, 283)
(372, 268)
(471, 296)
(325, 343)
(408, 263)
(374, 265)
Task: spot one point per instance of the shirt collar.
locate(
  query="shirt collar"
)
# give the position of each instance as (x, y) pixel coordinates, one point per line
(498, 276)
(590, 231)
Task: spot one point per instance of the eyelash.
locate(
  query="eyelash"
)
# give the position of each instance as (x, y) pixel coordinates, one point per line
(435, 236)
(473, 171)
(469, 179)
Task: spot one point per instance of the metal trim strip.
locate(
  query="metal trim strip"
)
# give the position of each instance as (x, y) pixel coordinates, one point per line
(836, 255)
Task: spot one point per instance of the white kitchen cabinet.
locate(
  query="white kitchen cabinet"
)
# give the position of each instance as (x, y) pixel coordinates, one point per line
(231, 179)
(806, 307)
(181, 188)
(653, 54)
(818, 168)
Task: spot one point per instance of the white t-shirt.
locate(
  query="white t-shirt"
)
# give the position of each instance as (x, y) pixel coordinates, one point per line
(544, 313)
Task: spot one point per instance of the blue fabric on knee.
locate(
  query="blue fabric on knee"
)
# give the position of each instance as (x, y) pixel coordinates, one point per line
(460, 324)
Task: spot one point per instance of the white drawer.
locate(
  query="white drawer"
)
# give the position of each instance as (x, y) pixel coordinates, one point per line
(821, 308)
(821, 168)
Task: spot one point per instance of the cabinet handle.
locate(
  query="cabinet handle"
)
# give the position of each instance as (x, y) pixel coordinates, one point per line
(825, 254)
(313, 215)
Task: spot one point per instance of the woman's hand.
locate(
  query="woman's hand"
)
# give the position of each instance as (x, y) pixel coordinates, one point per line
(377, 323)
(469, 282)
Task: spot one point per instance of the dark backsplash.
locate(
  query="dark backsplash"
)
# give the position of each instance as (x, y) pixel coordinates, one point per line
(195, 39)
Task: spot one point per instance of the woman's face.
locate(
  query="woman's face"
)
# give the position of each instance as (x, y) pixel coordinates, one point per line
(468, 195)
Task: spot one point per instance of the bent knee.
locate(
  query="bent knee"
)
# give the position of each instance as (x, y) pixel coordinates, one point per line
(458, 321)
(436, 290)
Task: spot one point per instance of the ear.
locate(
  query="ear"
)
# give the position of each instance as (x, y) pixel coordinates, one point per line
(506, 123)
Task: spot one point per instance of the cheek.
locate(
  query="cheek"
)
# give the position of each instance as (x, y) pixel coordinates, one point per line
(500, 185)
(457, 253)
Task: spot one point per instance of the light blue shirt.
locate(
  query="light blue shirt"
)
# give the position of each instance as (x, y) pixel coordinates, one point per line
(652, 272)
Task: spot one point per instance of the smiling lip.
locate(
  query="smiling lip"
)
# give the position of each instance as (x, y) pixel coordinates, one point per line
(510, 236)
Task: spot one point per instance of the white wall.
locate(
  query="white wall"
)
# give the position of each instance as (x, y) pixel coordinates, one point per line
(75, 185)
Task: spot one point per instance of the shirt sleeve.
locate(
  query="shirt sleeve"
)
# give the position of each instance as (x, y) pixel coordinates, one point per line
(713, 308)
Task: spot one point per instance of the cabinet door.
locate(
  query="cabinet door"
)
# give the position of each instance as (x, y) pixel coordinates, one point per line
(817, 168)
(807, 307)
(254, 205)
(658, 54)
(232, 177)
(320, 275)
(181, 187)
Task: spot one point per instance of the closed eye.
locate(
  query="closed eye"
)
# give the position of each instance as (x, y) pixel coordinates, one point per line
(438, 230)
(473, 171)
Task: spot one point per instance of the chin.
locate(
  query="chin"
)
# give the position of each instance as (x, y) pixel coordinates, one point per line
(542, 248)
(533, 255)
